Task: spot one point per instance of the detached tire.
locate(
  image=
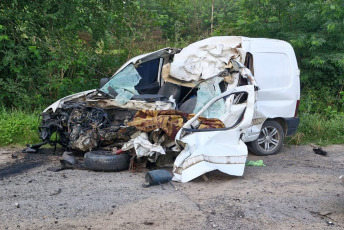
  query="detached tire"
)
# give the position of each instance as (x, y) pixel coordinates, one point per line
(105, 161)
(270, 139)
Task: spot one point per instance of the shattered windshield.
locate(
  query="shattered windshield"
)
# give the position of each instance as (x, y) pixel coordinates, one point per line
(122, 85)
(207, 91)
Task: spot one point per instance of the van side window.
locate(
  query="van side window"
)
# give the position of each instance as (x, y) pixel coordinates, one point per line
(249, 62)
(149, 72)
(272, 70)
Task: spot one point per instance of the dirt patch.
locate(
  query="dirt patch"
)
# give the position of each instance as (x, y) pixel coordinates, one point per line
(297, 189)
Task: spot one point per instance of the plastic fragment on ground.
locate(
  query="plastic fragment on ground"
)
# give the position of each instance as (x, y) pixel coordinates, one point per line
(319, 151)
(159, 176)
(258, 163)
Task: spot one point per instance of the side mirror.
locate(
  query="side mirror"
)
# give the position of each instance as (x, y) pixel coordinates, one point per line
(103, 81)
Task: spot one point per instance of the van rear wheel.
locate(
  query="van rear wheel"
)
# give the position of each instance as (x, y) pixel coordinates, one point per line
(270, 139)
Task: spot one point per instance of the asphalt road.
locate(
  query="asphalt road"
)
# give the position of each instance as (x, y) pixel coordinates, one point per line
(297, 189)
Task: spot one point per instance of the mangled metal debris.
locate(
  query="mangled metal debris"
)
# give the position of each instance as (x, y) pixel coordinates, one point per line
(196, 104)
(144, 148)
(205, 59)
(215, 149)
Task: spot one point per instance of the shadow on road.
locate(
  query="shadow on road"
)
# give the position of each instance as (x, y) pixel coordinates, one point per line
(27, 161)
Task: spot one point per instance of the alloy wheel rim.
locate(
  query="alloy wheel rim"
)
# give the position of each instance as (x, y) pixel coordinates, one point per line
(268, 139)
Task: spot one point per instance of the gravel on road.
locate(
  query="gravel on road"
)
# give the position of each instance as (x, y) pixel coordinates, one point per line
(297, 189)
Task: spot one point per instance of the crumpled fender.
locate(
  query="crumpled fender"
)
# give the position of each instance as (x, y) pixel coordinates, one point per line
(216, 149)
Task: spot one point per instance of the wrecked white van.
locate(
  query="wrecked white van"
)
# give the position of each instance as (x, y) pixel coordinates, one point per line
(218, 93)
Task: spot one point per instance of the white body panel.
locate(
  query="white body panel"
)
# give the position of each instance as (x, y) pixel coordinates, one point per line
(214, 149)
(278, 77)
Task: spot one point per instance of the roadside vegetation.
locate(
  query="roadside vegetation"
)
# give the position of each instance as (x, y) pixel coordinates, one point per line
(18, 127)
(51, 49)
(319, 130)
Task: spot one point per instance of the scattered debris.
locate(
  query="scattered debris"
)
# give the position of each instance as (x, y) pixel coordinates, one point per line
(67, 162)
(258, 163)
(205, 178)
(144, 148)
(157, 177)
(329, 223)
(212, 212)
(56, 192)
(29, 150)
(33, 148)
(68, 158)
(240, 214)
(318, 150)
(148, 222)
(55, 169)
(325, 213)
(341, 178)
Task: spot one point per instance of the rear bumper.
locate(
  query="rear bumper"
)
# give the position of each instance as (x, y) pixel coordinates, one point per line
(292, 125)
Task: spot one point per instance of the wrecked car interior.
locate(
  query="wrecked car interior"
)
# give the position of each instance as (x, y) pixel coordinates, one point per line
(189, 107)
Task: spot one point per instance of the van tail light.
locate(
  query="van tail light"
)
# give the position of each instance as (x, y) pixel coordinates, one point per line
(297, 107)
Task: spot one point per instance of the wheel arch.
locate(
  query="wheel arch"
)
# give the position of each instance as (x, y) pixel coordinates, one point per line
(281, 121)
(255, 147)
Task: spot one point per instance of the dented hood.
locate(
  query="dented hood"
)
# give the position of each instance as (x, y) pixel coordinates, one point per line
(59, 103)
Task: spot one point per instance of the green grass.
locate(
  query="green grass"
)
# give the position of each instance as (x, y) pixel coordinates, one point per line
(18, 127)
(319, 129)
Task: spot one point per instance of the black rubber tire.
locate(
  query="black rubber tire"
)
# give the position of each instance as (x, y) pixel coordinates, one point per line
(103, 81)
(271, 137)
(105, 161)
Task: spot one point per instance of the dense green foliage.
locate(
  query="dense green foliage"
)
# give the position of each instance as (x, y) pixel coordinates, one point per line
(318, 129)
(315, 28)
(50, 49)
(18, 127)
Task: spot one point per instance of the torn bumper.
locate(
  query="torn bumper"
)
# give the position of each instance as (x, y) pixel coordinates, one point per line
(208, 151)
(292, 124)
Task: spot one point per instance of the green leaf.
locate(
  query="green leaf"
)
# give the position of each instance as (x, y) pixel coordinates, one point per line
(4, 37)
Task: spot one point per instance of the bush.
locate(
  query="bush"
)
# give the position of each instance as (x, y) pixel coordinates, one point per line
(319, 129)
(18, 127)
